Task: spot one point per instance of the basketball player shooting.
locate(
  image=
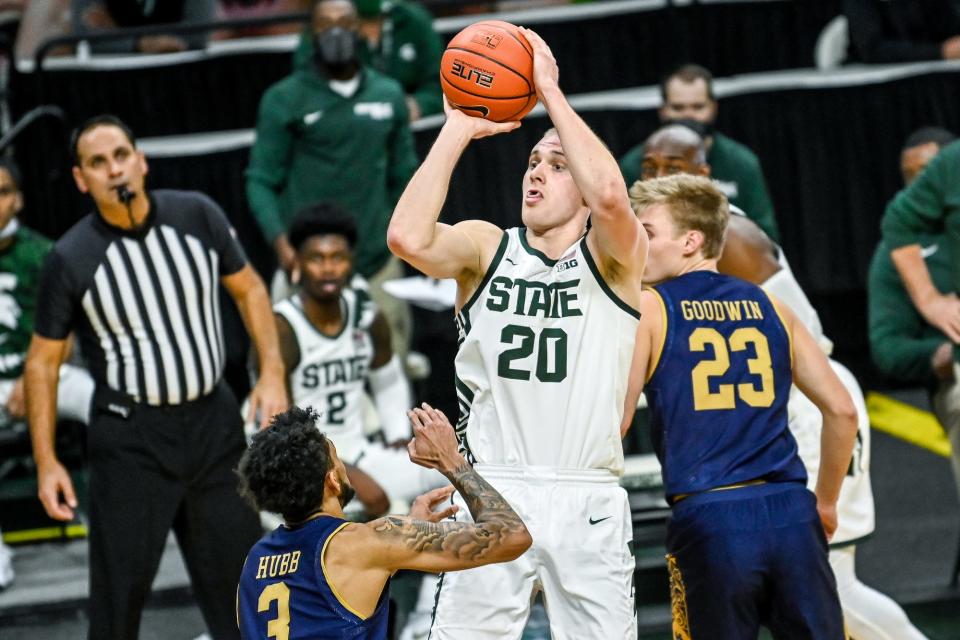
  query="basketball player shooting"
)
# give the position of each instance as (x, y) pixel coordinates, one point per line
(547, 315)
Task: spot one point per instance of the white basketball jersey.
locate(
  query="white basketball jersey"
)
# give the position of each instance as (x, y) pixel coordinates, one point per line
(855, 509)
(543, 363)
(784, 287)
(332, 371)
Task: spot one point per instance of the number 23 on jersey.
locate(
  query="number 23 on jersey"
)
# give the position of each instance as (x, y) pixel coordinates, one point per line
(738, 343)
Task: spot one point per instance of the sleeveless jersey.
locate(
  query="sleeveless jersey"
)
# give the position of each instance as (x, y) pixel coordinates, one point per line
(543, 361)
(719, 388)
(332, 370)
(855, 507)
(284, 593)
(785, 288)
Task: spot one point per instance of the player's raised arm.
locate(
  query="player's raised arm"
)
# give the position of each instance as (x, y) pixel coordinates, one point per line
(815, 377)
(595, 171)
(415, 235)
(496, 535)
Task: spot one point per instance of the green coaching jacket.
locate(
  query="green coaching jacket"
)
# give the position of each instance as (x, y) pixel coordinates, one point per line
(931, 204)
(736, 168)
(409, 52)
(314, 144)
(901, 340)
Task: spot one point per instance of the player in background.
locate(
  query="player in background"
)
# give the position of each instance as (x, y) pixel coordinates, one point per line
(335, 342)
(546, 315)
(751, 255)
(868, 614)
(321, 576)
(22, 252)
(716, 355)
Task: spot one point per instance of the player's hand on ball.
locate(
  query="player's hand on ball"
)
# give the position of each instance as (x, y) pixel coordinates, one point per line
(423, 507)
(546, 73)
(476, 127)
(434, 443)
(828, 518)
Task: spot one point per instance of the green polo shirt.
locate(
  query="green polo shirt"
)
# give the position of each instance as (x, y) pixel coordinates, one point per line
(930, 205)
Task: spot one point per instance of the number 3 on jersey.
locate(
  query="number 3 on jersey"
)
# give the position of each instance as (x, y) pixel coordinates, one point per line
(278, 592)
(725, 396)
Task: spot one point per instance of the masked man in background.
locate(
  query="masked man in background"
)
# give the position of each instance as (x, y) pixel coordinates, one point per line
(334, 130)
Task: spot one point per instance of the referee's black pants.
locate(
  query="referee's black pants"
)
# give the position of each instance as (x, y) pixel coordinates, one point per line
(155, 468)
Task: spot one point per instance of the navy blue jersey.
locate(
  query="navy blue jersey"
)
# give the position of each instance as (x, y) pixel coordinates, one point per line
(719, 389)
(284, 592)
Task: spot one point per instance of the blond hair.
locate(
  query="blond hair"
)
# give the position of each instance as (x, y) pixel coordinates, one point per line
(695, 203)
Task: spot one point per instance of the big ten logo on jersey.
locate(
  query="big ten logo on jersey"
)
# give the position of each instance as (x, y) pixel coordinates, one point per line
(339, 371)
(359, 339)
(470, 73)
(278, 565)
(533, 298)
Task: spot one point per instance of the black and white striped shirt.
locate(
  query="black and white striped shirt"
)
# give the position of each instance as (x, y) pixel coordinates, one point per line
(145, 304)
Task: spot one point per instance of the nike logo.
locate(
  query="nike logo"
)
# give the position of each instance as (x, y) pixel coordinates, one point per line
(477, 110)
(926, 252)
(510, 261)
(592, 521)
(310, 118)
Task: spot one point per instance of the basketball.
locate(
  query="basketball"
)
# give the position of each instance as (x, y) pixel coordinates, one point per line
(487, 71)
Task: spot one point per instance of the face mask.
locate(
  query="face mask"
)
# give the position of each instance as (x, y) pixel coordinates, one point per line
(334, 48)
(703, 129)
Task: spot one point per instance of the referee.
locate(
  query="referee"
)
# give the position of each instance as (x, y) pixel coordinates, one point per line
(137, 280)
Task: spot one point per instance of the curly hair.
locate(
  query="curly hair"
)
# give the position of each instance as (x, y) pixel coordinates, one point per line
(321, 219)
(283, 471)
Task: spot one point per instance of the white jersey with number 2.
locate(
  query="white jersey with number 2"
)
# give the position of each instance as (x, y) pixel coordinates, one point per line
(332, 371)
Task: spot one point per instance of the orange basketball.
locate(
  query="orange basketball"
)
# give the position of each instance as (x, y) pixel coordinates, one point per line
(487, 71)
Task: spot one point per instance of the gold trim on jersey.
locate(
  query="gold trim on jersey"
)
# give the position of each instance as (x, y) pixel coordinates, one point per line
(323, 568)
(786, 327)
(663, 335)
(678, 601)
(739, 485)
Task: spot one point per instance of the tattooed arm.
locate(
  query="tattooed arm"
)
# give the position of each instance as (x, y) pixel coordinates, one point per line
(361, 558)
(496, 535)
(395, 542)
